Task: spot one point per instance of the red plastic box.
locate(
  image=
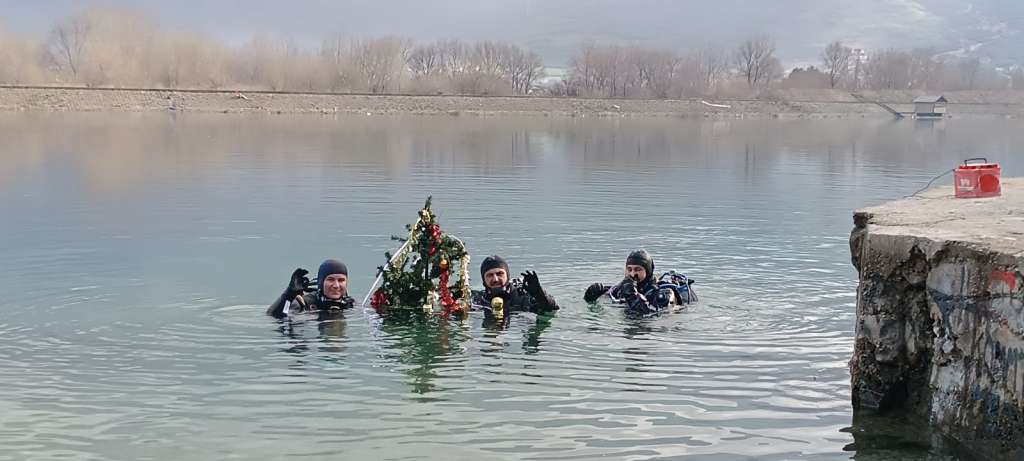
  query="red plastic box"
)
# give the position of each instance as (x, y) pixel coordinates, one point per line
(975, 180)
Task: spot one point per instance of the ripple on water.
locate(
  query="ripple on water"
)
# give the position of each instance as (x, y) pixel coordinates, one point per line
(151, 347)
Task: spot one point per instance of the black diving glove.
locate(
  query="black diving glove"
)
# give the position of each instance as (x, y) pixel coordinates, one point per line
(297, 284)
(532, 285)
(627, 289)
(594, 291)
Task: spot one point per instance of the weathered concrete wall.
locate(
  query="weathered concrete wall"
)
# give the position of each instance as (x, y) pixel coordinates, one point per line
(940, 315)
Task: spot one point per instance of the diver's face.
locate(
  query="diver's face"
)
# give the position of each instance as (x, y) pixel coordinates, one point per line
(495, 278)
(635, 272)
(335, 286)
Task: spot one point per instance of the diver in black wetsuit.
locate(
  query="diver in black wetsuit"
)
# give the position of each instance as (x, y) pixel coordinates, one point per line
(331, 292)
(525, 295)
(638, 290)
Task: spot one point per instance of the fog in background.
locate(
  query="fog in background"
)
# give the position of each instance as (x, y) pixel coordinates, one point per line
(592, 48)
(555, 28)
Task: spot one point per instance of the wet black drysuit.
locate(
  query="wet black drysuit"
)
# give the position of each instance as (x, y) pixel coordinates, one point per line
(642, 297)
(518, 295)
(295, 299)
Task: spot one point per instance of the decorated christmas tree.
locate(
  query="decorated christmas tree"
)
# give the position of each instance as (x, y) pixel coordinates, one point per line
(418, 275)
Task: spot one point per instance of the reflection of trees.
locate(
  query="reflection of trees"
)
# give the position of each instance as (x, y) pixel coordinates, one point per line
(421, 343)
(128, 154)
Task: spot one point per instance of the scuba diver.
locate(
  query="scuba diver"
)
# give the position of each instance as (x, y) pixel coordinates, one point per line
(513, 295)
(639, 291)
(330, 294)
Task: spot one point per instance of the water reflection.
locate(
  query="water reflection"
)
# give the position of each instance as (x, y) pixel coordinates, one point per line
(330, 337)
(104, 151)
(200, 211)
(531, 337)
(423, 345)
(899, 437)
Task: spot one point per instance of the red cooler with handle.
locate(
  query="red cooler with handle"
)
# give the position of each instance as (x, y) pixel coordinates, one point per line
(976, 178)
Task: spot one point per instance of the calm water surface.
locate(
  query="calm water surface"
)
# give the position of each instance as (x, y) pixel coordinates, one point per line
(139, 252)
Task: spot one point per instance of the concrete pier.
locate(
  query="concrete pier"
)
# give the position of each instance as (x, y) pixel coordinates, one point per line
(940, 315)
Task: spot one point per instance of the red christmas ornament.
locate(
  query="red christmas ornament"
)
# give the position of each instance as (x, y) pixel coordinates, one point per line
(379, 299)
(446, 296)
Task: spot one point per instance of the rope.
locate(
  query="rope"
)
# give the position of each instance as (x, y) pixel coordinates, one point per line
(930, 183)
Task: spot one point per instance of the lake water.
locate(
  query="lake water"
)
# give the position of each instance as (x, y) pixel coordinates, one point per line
(139, 252)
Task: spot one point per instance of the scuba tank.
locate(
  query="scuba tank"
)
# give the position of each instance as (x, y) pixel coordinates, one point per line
(680, 284)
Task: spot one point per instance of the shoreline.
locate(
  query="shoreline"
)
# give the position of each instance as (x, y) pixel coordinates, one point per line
(811, 104)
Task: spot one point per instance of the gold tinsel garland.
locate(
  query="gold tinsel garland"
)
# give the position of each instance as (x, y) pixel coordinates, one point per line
(435, 252)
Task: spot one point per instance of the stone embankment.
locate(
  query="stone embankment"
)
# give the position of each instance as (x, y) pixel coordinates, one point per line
(940, 315)
(778, 104)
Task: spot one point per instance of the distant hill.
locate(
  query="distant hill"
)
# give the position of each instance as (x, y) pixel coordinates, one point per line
(992, 29)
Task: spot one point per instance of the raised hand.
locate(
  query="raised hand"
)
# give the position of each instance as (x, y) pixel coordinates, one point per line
(627, 289)
(297, 284)
(532, 285)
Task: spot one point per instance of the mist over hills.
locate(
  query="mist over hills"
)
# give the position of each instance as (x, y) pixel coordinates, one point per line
(990, 29)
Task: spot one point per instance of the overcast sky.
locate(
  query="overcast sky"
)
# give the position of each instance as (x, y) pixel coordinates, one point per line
(556, 27)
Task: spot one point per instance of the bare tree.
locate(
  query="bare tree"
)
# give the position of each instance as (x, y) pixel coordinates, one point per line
(115, 47)
(252, 61)
(901, 70)
(185, 61)
(424, 60)
(635, 71)
(613, 73)
(926, 70)
(656, 71)
(858, 68)
(107, 47)
(379, 61)
(629, 84)
(488, 56)
(18, 59)
(969, 70)
(888, 69)
(581, 70)
(607, 70)
(68, 40)
(753, 60)
(334, 59)
(772, 71)
(712, 65)
(533, 70)
(836, 58)
(1017, 78)
(522, 68)
(454, 57)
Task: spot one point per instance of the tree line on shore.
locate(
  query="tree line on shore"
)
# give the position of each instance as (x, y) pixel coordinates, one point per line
(113, 48)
